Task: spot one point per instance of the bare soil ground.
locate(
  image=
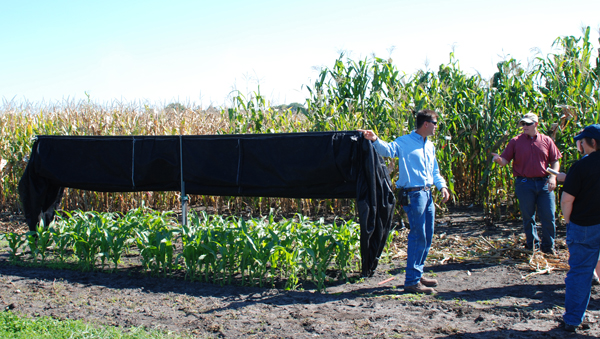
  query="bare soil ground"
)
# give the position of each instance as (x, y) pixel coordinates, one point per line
(475, 299)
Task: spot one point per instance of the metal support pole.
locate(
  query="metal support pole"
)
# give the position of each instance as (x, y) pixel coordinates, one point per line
(184, 203)
(184, 198)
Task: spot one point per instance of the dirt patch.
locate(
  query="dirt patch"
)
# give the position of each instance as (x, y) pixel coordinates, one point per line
(475, 299)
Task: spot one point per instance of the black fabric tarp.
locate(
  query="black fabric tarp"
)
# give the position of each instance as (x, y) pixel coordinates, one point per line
(293, 165)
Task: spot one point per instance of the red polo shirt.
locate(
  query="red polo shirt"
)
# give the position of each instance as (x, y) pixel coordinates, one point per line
(531, 155)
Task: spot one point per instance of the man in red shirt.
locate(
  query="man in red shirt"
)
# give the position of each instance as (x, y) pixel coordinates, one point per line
(532, 153)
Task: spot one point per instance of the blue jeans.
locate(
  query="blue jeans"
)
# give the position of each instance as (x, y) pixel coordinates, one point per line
(584, 251)
(421, 216)
(532, 193)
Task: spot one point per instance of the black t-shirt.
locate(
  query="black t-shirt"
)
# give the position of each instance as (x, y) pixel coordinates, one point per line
(583, 182)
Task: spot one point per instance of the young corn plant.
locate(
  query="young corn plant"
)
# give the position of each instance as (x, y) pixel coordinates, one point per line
(190, 253)
(104, 222)
(115, 240)
(154, 239)
(156, 249)
(15, 241)
(233, 243)
(346, 237)
(275, 257)
(248, 254)
(38, 242)
(290, 265)
(87, 238)
(211, 246)
(203, 245)
(62, 237)
(288, 254)
(320, 254)
(265, 241)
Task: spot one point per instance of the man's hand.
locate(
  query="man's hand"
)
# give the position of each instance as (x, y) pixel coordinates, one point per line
(498, 159)
(554, 177)
(445, 194)
(551, 183)
(368, 134)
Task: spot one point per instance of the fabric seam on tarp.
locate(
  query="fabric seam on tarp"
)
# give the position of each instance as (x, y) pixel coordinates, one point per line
(133, 162)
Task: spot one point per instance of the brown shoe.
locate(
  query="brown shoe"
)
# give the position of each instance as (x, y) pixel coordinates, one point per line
(419, 288)
(429, 282)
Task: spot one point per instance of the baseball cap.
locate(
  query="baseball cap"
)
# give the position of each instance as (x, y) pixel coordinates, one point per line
(529, 118)
(591, 131)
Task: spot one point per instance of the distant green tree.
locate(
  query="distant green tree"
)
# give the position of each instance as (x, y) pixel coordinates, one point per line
(175, 106)
(294, 106)
(298, 108)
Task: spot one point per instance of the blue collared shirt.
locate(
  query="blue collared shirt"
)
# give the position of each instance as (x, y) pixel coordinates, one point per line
(416, 158)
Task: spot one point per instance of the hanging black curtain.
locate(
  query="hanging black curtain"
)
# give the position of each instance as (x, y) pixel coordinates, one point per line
(318, 165)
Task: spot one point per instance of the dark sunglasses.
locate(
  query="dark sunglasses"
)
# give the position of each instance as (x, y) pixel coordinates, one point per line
(432, 122)
(527, 123)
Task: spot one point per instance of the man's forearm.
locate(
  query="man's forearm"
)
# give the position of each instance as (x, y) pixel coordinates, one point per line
(566, 205)
(555, 166)
(566, 211)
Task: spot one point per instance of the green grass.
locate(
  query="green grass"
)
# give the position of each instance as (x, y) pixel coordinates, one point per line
(17, 326)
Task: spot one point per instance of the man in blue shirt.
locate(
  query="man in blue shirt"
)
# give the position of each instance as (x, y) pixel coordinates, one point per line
(418, 171)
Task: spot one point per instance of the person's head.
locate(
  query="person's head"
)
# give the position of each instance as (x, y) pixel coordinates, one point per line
(426, 122)
(529, 123)
(589, 139)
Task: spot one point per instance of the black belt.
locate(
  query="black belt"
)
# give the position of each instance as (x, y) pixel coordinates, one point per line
(533, 178)
(418, 188)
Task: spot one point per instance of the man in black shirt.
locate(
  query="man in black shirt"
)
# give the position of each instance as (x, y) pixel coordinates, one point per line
(579, 203)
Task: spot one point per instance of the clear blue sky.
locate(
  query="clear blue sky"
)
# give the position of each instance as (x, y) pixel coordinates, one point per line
(199, 51)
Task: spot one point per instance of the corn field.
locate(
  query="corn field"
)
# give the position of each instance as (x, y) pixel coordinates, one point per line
(478, 116)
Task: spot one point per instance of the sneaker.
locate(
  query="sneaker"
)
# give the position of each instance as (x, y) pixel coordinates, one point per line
(595, 280)
(419, 288)
(569, 327)
(429, 282)
(549, 251)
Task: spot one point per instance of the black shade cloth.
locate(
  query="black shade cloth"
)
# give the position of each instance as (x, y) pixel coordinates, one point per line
(292, 165)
